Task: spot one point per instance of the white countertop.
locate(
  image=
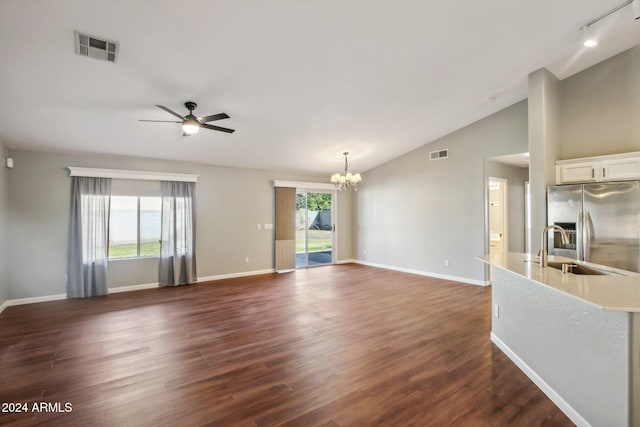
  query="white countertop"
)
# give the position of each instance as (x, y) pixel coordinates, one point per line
(609, 292)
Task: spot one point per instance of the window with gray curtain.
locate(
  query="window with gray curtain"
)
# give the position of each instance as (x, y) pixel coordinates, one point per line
(178, 243)
(88, 237)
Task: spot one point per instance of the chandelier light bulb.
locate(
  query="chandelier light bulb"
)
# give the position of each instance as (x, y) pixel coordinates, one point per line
(347, 180)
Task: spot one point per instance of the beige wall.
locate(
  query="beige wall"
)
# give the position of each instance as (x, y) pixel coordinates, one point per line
(600, 108)
(4, 214)
(230, 202)
(414, 213)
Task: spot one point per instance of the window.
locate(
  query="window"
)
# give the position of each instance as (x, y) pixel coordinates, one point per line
(134, 227)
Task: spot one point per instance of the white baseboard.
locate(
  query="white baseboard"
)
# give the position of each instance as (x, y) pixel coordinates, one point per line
(33, 300)
(424, 273)
(119, 289)
(200, 279)
(568, 410)
(139, 287)
(133, 288)
(234, 275)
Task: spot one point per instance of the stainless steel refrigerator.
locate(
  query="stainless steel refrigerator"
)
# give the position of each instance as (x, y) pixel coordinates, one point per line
(603, 222)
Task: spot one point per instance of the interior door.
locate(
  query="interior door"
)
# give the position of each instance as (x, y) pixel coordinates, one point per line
(497, 216)
(314, 228)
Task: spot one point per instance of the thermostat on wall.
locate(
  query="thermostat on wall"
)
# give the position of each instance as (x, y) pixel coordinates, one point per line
(10, 162)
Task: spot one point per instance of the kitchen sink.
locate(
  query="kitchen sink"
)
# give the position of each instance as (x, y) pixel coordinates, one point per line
(582, 269)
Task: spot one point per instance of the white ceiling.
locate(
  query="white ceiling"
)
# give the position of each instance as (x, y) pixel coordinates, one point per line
(303, 81)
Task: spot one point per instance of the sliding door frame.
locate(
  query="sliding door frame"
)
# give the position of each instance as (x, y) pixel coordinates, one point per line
(317, 187)
(334, 227)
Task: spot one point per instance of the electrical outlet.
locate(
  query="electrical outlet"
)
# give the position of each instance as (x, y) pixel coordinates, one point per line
(246, 260)
(496, 310)
(364, 251)
(259, 226)
(446, 263)
(268, 226)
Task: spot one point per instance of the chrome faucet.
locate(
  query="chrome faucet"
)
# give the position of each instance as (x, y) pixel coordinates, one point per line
(544, 254)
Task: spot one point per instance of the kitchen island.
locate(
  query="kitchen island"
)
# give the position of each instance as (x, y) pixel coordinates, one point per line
(576, 336)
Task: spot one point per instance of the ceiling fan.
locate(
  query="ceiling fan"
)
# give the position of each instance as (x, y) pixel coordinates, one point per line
(192, 124)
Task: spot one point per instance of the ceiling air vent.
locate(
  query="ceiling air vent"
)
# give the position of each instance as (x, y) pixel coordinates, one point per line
(437, 155)
(96, 48)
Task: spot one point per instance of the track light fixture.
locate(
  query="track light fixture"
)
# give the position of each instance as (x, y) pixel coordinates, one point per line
(589, 39)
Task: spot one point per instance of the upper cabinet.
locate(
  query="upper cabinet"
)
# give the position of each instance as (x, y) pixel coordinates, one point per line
(616, 167)
(576, 172)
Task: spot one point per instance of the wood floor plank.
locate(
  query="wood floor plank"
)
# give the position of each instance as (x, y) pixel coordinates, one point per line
(330, 346)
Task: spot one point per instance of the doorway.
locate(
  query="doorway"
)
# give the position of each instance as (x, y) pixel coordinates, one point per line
(314, 228)
(497, 216)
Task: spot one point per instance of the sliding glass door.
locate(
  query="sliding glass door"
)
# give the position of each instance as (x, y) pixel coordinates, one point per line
(314, 228)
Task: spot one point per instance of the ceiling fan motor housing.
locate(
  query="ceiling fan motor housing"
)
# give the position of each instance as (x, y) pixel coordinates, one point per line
(191, 123)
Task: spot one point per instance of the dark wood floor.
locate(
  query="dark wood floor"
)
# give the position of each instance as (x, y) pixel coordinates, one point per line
(330, 346)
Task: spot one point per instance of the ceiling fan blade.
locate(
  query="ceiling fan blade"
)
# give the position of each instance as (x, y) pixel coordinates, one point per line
(212, 127)
(162, 107)
(214, 117)
(160, 121)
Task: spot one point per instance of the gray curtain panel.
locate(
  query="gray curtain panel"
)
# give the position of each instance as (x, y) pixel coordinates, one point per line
(88, 237)
(178, 250)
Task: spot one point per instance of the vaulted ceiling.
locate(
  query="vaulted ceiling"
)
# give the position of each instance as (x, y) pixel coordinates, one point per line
(303, 81)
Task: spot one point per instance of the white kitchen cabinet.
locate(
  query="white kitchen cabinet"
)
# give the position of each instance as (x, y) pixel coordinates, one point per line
(620, 169)
(578, 172)
(616, 167)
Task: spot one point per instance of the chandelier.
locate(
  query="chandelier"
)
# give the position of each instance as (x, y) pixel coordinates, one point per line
(348, 181)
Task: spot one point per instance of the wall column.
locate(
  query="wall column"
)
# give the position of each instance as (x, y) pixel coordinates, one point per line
(544, 146)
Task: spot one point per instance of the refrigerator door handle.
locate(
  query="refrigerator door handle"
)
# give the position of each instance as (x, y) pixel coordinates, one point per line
(587, 234)
(579, 236)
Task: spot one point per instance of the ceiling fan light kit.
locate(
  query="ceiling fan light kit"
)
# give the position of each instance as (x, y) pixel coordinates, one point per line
(191, 124)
